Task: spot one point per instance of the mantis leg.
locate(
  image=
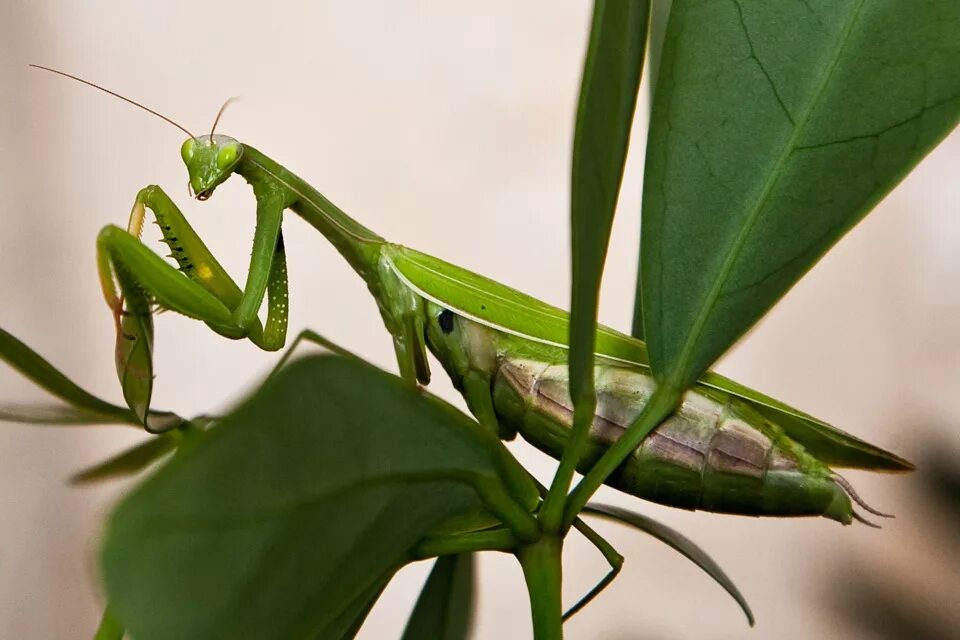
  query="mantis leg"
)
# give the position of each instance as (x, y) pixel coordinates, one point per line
(199, 287)
(610, 555)
(477, 393)
(312, 337)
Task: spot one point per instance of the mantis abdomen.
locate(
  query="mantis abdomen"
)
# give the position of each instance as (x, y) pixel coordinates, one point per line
(715, 453)
(712, 454)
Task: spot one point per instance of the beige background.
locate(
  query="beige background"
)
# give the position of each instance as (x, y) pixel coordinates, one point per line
(447, 127)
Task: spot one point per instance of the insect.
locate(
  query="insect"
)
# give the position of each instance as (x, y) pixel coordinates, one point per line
(727, 448)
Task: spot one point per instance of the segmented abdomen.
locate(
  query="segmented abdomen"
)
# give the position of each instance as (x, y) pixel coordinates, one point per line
(714, 453)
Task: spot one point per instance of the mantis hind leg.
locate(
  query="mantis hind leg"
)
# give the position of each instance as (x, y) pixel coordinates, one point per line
(309, 336)
(613, 558)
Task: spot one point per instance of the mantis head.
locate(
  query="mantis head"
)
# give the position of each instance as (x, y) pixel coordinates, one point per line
(210, 160)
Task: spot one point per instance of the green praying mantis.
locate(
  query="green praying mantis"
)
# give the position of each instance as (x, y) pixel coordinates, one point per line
(723, 448)
(726, 449)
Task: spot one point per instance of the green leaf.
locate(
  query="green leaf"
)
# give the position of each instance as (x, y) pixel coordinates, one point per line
(677, 541)
(81, 407)
(292, 509)
(776, 127)
(444, 609)
(109, 628)
(129, 462)
(349, 622)
(608, 96)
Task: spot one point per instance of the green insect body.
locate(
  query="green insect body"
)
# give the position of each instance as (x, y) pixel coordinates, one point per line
(728, 449)
(715, 453)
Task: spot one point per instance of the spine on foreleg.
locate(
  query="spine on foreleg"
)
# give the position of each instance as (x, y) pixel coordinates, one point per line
(714, 453)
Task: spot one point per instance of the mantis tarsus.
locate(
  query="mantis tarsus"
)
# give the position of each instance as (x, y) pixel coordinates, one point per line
(727, 448)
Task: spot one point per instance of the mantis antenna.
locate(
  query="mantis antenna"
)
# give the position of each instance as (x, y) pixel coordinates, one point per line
(216, 120)
(124, 98)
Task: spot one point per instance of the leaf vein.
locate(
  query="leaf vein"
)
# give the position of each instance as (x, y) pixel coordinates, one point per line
(713, 296)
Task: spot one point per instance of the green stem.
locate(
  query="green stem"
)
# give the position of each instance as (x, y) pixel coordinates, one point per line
(551, 514)
(541, 562)
(663, 402)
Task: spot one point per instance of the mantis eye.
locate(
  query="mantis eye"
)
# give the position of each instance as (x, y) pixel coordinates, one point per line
(445, 320)
(227, 156)
(186, 151)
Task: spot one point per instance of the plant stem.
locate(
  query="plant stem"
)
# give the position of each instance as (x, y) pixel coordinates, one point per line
(551, 514)
(662, 403)
(541, 562)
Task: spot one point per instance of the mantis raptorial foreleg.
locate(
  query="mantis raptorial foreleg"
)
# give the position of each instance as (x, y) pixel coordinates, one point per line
(199, 287)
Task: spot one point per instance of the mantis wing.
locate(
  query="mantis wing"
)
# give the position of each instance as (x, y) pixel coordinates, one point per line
(824, 441)
(505, 309)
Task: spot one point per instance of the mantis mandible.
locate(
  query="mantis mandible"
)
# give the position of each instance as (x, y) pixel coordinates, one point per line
(726, 449)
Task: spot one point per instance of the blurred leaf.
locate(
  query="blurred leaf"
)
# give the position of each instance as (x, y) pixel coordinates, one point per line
(35, 368)
(874, 595)
(133, 460)
(676, 540)
(608, 96)
(941, 477)
(109, 628)
(881, 613)
(290, 510)
(776, 127)
(81, 408)
(57, 414)
(444, 609)
(349, 622)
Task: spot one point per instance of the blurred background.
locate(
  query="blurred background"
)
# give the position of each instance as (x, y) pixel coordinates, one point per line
(448, 128)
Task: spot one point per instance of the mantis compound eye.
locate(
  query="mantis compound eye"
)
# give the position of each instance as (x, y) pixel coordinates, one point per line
(227, 156)
(186, 151)
(445, 320)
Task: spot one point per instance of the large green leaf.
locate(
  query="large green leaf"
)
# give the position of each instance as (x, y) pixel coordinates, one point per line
(351, 619)
(78, 406)
(677, 541)
(283, 520)
(444, 609)
(777, 126)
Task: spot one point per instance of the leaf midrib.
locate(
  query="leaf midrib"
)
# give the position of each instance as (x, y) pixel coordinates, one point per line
(733, 255)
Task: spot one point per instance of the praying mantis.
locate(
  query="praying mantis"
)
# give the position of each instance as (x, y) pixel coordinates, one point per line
(727, 448)
(724, 448)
